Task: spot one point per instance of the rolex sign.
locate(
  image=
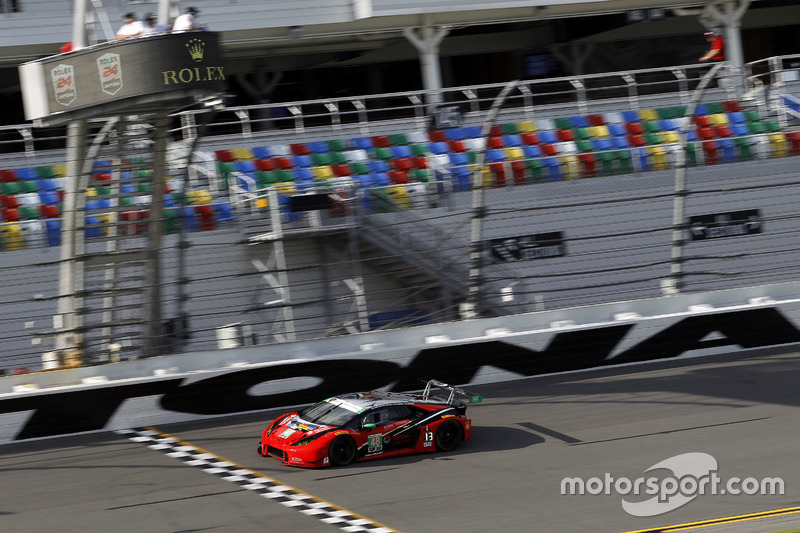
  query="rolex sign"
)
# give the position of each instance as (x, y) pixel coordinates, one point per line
(130, 75)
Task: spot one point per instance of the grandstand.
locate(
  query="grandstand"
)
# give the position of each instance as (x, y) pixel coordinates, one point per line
(307, 219)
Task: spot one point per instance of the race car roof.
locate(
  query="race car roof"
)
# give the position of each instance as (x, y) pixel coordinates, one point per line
(360, 401)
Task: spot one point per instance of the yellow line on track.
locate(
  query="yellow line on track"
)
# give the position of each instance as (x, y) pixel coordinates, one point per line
(719, 521)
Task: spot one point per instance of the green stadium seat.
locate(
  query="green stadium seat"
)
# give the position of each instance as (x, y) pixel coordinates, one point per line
(337, 145)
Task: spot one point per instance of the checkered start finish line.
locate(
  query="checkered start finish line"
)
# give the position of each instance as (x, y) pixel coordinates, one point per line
(251, 480)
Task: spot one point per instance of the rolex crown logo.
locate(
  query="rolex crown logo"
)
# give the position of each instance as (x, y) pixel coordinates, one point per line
(196, 48)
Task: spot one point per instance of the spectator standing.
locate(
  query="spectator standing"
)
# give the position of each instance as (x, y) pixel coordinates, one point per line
(150, 27)
(131, 27)
(188, 21)
(716, 50)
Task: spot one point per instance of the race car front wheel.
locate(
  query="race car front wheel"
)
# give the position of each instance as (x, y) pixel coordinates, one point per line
(448, 436)
(342, 450)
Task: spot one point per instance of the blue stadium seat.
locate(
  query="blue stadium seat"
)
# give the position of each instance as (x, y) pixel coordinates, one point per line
(532, 151)
(438, 148)
(616, 129)
(472, 132)
(459, 159)
(53, 231)
(317, 147)
(630, 116)
(456, 134)
(261, 152)
(362, 143)
(579, 121)
(401, 151)
(548, 136)
(378, 165)
(602, 144)
(494, 155)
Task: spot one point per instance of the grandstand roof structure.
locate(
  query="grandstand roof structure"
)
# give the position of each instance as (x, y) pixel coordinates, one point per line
(310, 38)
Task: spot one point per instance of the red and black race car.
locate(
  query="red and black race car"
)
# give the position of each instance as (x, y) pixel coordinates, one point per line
(359, 426)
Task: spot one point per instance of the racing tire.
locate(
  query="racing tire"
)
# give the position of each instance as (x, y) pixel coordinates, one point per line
(449, 435)
(342, 451)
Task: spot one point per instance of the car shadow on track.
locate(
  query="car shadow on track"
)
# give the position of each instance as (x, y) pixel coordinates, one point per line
(484, 439)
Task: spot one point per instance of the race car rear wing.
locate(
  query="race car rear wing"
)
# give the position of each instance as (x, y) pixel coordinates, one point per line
(473, 398)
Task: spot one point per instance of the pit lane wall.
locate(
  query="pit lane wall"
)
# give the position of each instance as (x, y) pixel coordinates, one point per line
(195, 386)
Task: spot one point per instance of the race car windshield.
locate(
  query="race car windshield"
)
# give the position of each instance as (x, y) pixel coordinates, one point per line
(327, 414)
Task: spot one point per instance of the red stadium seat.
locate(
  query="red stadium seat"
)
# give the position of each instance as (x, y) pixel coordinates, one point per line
(205, 217)
(731, 106)
(341, 169)
(634, 128)
(588, 164)
(565, 135)
(224, 156)
(283, 163)
(710, 152)
(299, 149)
(701, 121)
(499, 174)
(456, 146)
(403, 163)
(49, 211)
(495, 141)
(381, 141)
(636, 139)
(10, 214)
(420, 161)
(398, 177)
(597, 120)
(8, 175)
(549, 149)
(437, 136)
(265, 165)
(794, 141)
(9, 201)
(518, 171)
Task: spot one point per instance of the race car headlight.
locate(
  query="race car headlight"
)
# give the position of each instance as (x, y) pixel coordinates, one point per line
(271, 427)
(307, 440)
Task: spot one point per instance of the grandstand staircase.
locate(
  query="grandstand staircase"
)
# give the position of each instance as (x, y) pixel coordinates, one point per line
(425, 284)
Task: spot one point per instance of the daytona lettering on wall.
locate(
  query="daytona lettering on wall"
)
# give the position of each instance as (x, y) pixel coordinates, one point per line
(228, 392)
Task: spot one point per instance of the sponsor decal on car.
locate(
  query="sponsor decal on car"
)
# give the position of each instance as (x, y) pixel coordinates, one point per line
(286, 433)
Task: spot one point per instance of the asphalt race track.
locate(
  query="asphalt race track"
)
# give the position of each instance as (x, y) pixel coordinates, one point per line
(528, 435)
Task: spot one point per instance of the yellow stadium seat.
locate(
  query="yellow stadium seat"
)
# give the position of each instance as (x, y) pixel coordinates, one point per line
(322, 172)
(669, 137)
(526, 126)
(12, 236)
(599, 131)
(399, 195)
(718, 119)
(648, 114)
(60, 170)
(779, 145)
(658, 157)
(242, 154)
(571, 166)
(201, 196)
(514, 152)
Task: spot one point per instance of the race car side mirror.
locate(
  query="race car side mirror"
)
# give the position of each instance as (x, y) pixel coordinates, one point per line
(370, 426)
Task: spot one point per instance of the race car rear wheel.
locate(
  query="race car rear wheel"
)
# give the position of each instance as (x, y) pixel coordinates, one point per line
(342, 450)
(448, 436)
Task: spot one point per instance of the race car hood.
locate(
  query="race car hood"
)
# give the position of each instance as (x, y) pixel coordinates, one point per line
(294, 428)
